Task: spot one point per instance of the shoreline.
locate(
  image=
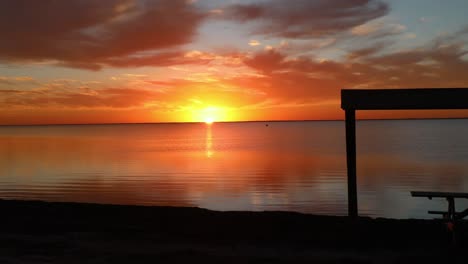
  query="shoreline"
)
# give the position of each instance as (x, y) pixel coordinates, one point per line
(98, 233)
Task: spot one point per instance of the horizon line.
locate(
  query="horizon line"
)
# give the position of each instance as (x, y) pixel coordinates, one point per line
(243, 121)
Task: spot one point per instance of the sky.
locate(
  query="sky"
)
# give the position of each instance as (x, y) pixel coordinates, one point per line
(125, 61)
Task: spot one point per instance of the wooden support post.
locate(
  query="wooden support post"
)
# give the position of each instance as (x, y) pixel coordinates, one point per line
(451, 208)
(351, 162)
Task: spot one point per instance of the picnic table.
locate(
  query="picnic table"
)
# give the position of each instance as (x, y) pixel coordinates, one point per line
(450, 214)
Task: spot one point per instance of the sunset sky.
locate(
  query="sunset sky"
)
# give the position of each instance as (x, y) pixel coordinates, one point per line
(92, 61)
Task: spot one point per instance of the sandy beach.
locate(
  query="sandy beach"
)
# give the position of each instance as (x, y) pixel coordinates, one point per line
(46, 232)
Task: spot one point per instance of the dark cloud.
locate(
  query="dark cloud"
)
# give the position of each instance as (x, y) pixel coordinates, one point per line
(307, 18)
(267, 61)
(89, 33)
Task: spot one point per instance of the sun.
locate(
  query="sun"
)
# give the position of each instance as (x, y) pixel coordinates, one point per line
(209, 120)
(210, 114)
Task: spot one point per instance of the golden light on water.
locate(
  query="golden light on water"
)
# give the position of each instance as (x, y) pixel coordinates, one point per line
(209, 143)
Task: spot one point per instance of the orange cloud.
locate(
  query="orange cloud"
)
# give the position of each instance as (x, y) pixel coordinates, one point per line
(76, 98)
(312, 84)
(10, 81)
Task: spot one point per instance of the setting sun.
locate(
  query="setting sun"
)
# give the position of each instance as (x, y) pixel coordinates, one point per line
(209, 120)
(209, 114)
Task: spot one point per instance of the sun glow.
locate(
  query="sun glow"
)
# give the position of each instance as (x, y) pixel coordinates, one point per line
(210, 114)
(209, 120)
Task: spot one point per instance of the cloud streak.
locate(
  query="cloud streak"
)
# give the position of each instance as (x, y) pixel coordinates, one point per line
(306, 18)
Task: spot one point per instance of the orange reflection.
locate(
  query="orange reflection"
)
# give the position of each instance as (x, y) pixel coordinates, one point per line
(154, 164)
(209, 141)
(294, 166)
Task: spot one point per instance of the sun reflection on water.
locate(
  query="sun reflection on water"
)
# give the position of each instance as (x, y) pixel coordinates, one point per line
(209, 142)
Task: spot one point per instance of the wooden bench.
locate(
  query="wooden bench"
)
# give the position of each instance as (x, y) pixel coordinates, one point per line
(450, 214)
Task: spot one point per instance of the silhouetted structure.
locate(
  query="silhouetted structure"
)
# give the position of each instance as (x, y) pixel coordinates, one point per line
(450, 214)
(390, 99)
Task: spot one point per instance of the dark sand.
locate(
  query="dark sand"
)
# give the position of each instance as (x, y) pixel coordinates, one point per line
(42, 232)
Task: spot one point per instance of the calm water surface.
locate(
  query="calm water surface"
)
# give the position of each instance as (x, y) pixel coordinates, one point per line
(298, 166)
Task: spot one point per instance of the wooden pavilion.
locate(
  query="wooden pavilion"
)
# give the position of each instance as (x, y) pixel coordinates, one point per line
(390, 99)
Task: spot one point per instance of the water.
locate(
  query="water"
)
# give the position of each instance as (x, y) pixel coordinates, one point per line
(297, 166)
